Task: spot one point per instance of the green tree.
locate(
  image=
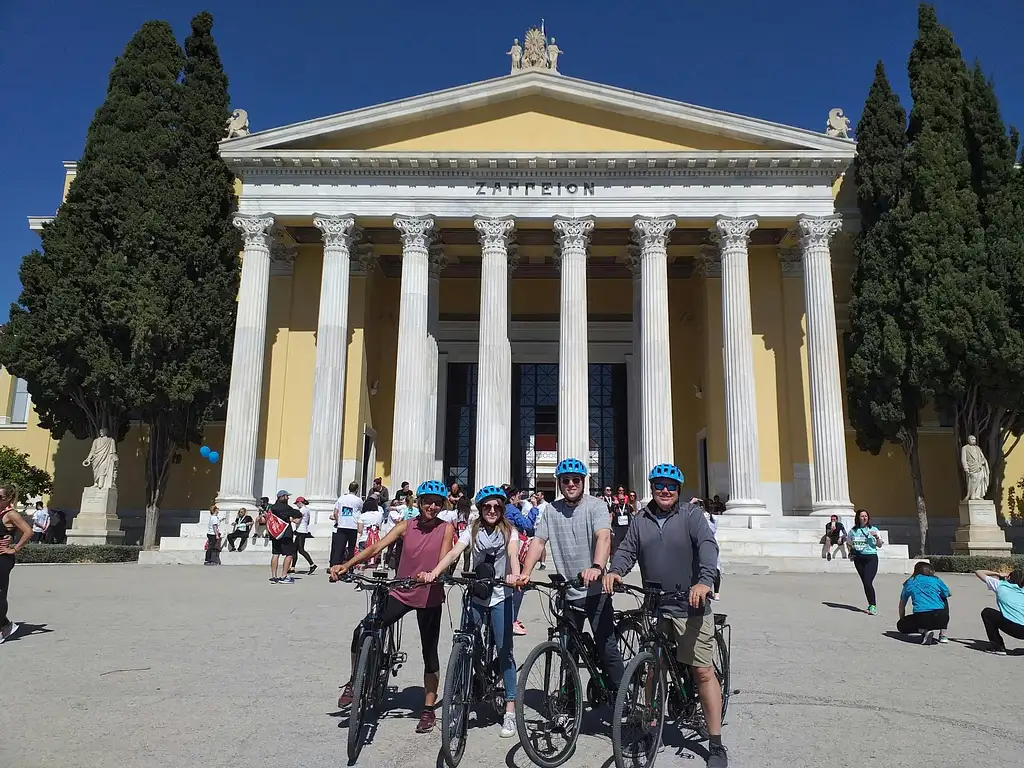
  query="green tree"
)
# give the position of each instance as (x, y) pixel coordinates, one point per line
(72, 333)
(884, 392)
(16, 470)
(189, 279)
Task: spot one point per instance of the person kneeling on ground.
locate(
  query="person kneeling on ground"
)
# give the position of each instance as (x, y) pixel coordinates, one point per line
(930, 597)
(1009, 617)
(675, 547)
(426, 541)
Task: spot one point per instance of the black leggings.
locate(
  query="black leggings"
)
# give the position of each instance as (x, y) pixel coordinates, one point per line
(429, 620)
(6, 565)
(925, 621)
(867, 569)
(211, 548)
(300, 544)
(994, 621)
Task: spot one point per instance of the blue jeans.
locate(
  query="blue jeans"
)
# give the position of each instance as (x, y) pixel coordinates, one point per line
(501, 628)
(517, 603)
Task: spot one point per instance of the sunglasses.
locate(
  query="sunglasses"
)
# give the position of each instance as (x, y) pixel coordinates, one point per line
(492, 505)
(671, 487)
(570, 480)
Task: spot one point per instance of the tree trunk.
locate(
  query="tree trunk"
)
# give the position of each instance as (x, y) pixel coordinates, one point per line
(910, 447)
(158, 466)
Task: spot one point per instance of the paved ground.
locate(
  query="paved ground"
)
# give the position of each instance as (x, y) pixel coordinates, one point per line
(175, 666)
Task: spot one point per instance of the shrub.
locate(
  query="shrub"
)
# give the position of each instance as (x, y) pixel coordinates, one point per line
(972, 563)
(75, 553)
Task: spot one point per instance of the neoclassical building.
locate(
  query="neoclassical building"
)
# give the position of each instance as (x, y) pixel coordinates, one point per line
(475, 282)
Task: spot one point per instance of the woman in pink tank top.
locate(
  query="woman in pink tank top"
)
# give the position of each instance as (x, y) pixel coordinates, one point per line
(426, 539)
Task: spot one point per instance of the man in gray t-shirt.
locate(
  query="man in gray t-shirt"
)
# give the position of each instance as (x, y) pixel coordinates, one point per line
(577, 529)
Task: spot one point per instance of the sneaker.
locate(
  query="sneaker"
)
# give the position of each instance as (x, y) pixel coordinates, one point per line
(718, 756)
(872, 610)
(8, 633)
(287, 580)
(829, 557)
(508, 726)
(996, 651)
(312, 570)
(542, 566)
(518, 628)
(943, 639)
(427, 721)
(928, 638)
(345, 698)
(274, 580)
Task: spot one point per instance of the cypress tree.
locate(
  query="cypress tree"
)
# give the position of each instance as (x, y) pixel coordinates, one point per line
(185, 361)
(71, 334)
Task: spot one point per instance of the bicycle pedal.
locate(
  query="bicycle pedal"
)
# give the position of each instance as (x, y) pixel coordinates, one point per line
(400, 658)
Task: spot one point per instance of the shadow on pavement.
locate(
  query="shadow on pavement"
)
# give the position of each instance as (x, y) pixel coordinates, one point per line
(911, 639)
(25, 629)
(982, 645)
(843, 606)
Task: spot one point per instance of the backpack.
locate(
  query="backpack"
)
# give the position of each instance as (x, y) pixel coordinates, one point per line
(276, 527)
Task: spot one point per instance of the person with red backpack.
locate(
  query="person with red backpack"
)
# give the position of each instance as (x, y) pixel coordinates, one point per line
(279, 526)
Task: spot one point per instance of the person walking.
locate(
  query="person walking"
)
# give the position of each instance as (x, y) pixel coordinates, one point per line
(525, 523)
(368, 532)
(243, 524)
(12, 525)
(302, 533)
(1008, 616)
(285, 545)
(346, 513)
(213, 538)
(929, 596)
(865, 540)
(40, 523)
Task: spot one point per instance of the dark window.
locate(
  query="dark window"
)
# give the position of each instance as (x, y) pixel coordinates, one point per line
(460, 424)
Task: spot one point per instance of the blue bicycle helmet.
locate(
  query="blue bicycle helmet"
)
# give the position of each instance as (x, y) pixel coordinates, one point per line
(489, 492)
(571, 467)
(432, 488)
(666, 472)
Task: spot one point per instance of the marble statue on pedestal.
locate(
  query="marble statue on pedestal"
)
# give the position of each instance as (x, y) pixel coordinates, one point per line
(103, 460)
(838, 124)
(536, 52)
(975, 466)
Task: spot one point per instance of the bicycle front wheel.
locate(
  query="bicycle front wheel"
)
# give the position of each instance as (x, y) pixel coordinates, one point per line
(639, 715)
(458, 687)
(549, 705)
(362, 695)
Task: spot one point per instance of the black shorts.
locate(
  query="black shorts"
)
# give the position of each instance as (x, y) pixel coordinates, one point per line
(284, 547)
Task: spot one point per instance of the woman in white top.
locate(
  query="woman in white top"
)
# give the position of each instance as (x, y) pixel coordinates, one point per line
(368, 529)
(302, 533)
(495, 547)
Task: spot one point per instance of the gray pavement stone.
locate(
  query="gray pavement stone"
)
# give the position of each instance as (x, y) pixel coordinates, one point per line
(126, 665)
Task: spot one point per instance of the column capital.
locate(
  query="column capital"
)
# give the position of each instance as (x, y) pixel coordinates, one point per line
(416, 231)
(436, 261)
(817, 230)
(337, 230)
(733, 232)
(254, 228)
(652, 233)
(791, 261)
(573, 232)
(495, 233)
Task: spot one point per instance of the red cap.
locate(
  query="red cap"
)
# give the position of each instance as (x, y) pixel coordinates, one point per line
(300, 500)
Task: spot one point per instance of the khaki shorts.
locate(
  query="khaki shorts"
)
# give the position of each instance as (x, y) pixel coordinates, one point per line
(694, 636)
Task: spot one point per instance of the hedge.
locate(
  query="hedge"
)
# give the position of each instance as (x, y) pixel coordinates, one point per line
(74, 553)
(972, 563)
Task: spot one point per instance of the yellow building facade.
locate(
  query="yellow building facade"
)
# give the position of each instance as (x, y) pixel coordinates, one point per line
(471, 284)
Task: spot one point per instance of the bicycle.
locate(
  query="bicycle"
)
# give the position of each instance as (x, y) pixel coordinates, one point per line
(655, 684)
(473, 675)
(560, 709)
(378, 658)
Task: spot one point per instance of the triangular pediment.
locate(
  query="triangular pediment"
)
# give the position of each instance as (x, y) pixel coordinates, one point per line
(537, 112)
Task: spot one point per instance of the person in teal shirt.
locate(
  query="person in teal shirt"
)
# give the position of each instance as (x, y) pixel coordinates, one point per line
(1009, 616)
(929, 596)
(865, 541)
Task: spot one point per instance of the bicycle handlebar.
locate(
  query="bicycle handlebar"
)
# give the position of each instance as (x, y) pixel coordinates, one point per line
(471, 581)
(648, 592)
(360, 580)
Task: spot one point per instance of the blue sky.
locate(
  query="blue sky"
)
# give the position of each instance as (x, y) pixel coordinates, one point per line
(786, 61)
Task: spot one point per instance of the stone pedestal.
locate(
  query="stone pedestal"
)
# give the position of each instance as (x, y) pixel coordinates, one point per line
(979, 532)
(97, 521)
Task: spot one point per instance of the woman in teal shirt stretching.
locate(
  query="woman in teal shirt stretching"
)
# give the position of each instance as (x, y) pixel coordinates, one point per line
(865, 540)
(930, 597)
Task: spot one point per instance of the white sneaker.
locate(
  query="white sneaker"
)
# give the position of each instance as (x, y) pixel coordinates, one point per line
(11, 629)
(928, 638)
(508, 726)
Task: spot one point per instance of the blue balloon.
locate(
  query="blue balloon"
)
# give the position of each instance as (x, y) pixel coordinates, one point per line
(214, 457)
(205, 451)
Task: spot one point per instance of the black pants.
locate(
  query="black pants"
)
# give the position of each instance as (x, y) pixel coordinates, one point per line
(6, 565)
(718, 580)
(242, 536)
(867, 569)
(994, 621)
(37, 537)
(343, 545)
(598, 609)
(925, 621)
(429, 620)
(300, 543)
(211, 548)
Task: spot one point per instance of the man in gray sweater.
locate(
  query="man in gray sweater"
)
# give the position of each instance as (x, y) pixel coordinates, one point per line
(674, 545)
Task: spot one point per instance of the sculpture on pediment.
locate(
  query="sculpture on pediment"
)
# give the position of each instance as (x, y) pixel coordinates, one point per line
(838, 124)
(553, 51)
(238, 124)
(535, 53)
(516, 52)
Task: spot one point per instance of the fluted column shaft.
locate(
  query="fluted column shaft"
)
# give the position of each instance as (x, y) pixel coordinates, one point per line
(241, 431)
(828, 433)
(656, 372)
(634, 367)
(411, 386)
(436, 265)
(494, 370)
(323, 470)
(740, 393)
(572, 236)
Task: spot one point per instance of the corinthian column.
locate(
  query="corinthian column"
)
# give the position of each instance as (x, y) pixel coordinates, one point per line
(238, 469)
(323, 471)
(437, 263)
(572, 236)
(634, 368)
(740, 404)
(656, 444)
(828, 433)
(494, 370)
(411, 387)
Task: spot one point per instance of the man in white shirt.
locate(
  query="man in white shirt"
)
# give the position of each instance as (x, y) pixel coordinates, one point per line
(346, 513)
(213, 539)
(40, 522)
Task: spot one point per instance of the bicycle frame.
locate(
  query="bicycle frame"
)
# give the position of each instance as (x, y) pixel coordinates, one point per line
(480, 637)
